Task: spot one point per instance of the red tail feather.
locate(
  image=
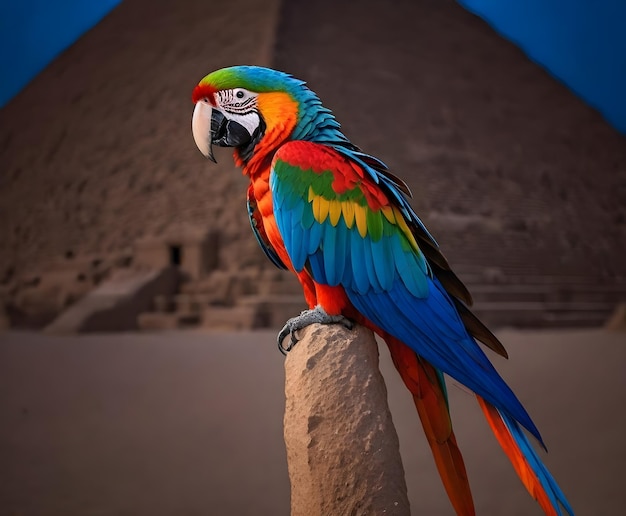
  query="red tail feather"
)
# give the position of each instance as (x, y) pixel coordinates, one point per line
(431, 403)
(522, 468)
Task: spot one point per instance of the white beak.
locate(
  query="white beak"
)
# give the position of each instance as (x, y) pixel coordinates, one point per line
(201, 128)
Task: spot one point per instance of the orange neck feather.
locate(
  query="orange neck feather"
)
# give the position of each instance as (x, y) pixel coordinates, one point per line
(280, 113)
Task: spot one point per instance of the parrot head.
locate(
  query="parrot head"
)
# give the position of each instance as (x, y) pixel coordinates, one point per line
(254, 110)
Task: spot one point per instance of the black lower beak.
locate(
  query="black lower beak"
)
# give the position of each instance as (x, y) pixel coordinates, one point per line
(210, 155)
(227, 133)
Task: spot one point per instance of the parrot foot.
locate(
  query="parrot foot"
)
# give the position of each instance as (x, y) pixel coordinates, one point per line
(307, 317)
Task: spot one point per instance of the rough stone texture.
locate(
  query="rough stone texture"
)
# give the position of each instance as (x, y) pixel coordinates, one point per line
(230, 318)
(197, 251)
(342, 448)
(116, 304)
(96, 152)
(34, 300)
(275, 310)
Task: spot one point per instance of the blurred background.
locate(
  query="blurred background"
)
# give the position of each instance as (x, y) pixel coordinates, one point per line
(509, 129)
(519, 179)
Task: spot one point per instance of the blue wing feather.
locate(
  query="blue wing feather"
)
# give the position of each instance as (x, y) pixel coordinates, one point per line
(330, 255)
(368, 262)
(358, 279)
(296, 242)
(316, 266)
(415, 277)
(432, 328)
(384, 265)
(314, 236)
(341, 251)
(391, 285)
(307, 219)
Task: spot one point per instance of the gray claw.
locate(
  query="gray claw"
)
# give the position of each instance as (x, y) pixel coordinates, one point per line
(316, 315)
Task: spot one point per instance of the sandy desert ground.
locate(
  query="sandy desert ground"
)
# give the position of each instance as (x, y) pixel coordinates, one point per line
(188, 423)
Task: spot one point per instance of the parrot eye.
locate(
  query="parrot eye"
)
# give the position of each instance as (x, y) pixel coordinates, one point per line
(236, 100)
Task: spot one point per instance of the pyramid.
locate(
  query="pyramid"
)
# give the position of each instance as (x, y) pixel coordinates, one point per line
(514, 175)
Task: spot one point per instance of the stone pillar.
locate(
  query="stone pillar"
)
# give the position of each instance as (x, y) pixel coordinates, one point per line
(342, 448)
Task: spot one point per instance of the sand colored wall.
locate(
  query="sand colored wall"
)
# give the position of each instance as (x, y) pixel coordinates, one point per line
(117, 302)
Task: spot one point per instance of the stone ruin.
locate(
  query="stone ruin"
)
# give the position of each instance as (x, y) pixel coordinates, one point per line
(210, 296)
(163, 282)
(34, 299)
(186, 278)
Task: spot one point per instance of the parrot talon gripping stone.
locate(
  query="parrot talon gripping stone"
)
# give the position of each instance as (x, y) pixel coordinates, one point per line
(307, 317)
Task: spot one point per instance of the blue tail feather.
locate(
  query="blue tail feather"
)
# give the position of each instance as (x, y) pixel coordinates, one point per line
(554, 492)
(433, 329)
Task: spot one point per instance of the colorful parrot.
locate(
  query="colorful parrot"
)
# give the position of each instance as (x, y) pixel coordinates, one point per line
(337, 218)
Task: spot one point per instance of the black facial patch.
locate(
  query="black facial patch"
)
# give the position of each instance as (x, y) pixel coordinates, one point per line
(227, 133)
(246, 150)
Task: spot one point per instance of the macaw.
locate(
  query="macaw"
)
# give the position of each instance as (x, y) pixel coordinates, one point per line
(342, 223)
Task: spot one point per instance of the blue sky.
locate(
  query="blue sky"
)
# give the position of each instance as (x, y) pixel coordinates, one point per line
(34, 32)
(581, 42)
